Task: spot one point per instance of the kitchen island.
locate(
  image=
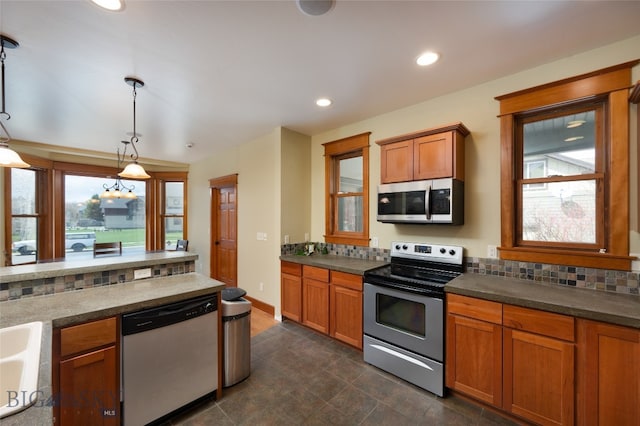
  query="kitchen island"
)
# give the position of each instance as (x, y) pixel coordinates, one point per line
(67, 308)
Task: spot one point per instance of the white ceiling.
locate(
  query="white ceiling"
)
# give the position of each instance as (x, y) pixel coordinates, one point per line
(220, 73)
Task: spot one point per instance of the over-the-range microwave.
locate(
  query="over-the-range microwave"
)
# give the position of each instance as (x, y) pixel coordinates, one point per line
(423, 201)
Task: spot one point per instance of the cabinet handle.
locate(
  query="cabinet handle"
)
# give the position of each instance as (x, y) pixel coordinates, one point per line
(402, 356)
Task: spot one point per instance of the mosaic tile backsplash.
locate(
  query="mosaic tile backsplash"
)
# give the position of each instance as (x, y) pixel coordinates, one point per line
(41, 287)
(592, 278)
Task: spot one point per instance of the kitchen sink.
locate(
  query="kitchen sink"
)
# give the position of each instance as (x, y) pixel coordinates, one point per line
(19, 366)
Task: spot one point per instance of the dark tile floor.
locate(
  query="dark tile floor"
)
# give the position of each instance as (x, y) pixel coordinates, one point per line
(299, 377)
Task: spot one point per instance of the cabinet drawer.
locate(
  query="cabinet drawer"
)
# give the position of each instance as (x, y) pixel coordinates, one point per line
(84, 337)
(344, 279)
(539, 322)
(291, 268)
(471, 307)
(318, 274)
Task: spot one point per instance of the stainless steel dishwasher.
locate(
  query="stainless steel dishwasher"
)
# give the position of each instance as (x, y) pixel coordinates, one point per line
(169, 358)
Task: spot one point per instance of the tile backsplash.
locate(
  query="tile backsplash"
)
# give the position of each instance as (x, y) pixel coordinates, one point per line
(596, 279)
(45, 286)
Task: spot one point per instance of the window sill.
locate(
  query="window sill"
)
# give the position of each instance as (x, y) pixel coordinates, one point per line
(350, 241)
(564, 257)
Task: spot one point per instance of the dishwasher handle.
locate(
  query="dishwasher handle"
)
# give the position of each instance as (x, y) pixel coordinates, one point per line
(162, 316)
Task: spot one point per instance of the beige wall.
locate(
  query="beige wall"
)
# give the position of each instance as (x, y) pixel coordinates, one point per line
(295, 216)
(477, 109)
(276, 165)
(258, 166)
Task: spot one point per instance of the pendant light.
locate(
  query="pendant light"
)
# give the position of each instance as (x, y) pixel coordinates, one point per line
(134, 170)
(8, 157)
(119, 189)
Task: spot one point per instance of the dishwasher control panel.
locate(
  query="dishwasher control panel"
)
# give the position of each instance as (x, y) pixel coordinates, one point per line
(148, 319)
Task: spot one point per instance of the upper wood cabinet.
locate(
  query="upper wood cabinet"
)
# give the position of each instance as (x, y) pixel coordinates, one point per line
(427, 154)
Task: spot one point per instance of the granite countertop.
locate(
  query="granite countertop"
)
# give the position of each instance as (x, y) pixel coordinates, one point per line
(350, 265)
(26, 272)
(620, 309)
(68, 308)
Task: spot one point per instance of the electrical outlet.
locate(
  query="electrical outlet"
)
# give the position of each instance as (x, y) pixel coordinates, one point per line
(374, 242)
(286, 239)
(492, 252)
(138, 274)
(261, 286)
(306, 237)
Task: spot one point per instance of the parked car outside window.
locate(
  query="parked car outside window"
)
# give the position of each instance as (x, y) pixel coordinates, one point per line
(73, 241)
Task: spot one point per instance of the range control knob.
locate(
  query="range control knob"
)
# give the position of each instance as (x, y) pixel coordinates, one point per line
(443, 250)
(397, 246)
(404, 247)
(452, 252)
(208, 307)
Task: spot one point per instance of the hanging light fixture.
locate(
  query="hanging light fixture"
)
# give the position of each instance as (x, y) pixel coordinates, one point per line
(8, 157)
(119, 189)
(134, 170)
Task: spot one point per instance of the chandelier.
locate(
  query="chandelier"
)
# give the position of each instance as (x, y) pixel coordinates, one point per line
(8, 157)
(133, 169)
(119, 189)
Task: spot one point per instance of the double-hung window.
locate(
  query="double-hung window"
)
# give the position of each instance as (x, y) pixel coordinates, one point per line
(565, 171)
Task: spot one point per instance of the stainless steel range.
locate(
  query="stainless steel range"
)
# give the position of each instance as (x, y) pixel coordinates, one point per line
(404, 312)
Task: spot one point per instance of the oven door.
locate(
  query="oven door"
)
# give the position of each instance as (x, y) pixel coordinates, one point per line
(407, 320)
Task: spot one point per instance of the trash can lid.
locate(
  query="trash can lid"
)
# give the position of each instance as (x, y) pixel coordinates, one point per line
(232, 293)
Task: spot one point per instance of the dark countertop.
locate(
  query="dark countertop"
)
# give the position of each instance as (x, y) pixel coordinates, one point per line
(350, 265)
(9, 274)
(620, 309)
(63, 309)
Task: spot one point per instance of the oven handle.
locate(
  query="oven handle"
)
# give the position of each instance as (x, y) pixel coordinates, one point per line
(402, 356)
(427, 202)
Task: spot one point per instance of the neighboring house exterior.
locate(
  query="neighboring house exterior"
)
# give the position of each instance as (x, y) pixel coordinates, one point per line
(122, 213)
(563, 210)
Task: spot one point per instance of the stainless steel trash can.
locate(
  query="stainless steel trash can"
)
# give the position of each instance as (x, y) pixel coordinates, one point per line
(236, 320)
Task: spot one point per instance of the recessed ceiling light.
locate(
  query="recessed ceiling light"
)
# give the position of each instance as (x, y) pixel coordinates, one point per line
(113, 5)
(575, 123)
(323, 102)
(427, 58)
(574, 138)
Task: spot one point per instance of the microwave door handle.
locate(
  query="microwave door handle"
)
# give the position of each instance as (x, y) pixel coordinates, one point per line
(427, 203)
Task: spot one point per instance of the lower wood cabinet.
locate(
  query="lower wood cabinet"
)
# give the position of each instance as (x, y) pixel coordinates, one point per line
(516, 359)
(85, 374)
(291, 290)
(315, 298)
(474, 358)
(345, 308)
(329, 302)
(608, 374)
(538, 365)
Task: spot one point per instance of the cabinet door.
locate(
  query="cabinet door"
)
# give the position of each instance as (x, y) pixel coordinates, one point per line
(433, 156)
(291, 291)
(538, 378)
(396, 162)
(315, 304)
(88, 389)
(474, 358)
(609, 372)
(346, 315)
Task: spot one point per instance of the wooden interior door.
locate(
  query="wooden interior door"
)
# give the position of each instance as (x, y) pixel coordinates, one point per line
(224, 230)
